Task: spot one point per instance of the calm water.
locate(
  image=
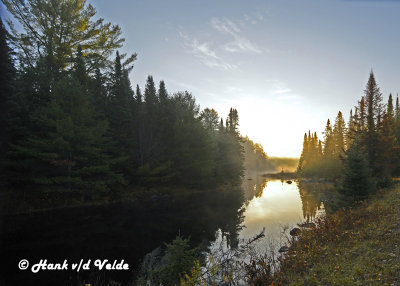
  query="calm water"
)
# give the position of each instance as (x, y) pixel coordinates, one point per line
(126, 231)
(277, 207)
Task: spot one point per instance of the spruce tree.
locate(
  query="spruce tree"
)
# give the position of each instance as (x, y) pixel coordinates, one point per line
(373, 100)
(120, 116)
(356, 182)
(139, 97)
(162, 93)
(339, 131)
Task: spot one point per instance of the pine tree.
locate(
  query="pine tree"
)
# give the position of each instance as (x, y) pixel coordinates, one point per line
(339, 132)
(150, 94)
(329, 144)
(373, 99)
(121, 117)
(99, 95)
(361, 124)
(304, 154)
(351, 129)
(390, 110)
(59, 27)
(221, 126)
(139, 97)
(397, 120)
(162, 93)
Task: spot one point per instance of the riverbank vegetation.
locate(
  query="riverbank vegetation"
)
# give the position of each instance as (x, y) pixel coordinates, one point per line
(353, 246)
(357, 246)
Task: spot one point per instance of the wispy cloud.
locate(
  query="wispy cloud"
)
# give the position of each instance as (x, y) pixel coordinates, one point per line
(278, 87)
(204, 53)
(282, 92)
(239, 43)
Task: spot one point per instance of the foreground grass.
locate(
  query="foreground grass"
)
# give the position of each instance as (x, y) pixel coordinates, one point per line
(352, 247)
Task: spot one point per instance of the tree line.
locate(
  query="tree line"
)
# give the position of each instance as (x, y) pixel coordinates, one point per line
(70, 119)
(365, 152)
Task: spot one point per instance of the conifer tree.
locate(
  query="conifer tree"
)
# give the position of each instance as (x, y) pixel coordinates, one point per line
(304, 154)
(56, 28)
(351, 129)
(121, 118)
(361, 124)
(162, 93)
(397, 120)
(329, 144)
(373, 99)
(221, 125)
(356, 182)
(339, 132)
(150, 94)
(139, 97)
(390, 110)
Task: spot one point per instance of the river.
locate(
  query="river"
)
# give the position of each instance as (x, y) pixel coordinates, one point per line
(126, 231)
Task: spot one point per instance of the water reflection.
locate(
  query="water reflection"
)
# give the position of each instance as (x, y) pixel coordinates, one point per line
(275, 204)
(129, 231)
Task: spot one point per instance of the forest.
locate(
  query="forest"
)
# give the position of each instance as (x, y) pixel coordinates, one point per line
(72, 123)
(363, 154)
(93, 164)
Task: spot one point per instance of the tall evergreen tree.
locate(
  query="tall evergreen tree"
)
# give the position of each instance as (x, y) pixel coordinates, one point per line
(139, 97)
(329, 144)
(351, 128)
(339, 132)
(361, 124)
(121, 118)
(162, 92)
(390, 109)
(373, 99)
(357, 182)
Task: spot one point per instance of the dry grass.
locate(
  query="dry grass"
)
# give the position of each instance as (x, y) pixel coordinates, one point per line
(352, 247)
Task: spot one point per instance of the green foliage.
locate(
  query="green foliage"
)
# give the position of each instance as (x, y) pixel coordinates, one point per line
(356, 246)
(75, 124)
(178, 260)
(356, 181)
(371, 134)
(210, 119)
(70, 149)
(57, 28)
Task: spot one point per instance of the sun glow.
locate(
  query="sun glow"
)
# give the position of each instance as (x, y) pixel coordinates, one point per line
(278, 124)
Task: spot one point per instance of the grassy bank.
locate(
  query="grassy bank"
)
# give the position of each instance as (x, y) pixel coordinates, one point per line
(353, 247)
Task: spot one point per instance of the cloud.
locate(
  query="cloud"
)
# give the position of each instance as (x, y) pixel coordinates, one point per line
(204, 53)
(239, 43)
(278, 87)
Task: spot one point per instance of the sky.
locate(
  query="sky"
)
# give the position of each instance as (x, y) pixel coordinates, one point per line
(285, 65)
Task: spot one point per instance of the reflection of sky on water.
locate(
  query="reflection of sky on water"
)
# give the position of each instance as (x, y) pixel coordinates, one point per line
(279, 205)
